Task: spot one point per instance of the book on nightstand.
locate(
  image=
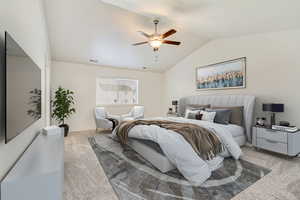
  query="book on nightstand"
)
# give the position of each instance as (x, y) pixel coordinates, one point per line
(290, 129)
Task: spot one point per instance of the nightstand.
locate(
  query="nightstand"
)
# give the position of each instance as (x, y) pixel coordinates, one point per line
(276, 141)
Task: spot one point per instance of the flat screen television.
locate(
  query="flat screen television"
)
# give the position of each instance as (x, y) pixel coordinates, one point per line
(22, 88)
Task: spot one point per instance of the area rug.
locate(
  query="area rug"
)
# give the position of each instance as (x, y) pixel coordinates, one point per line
(134, 178)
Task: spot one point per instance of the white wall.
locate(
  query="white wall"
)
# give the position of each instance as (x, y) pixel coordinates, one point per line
(81, 78)
(273, 69)
(25, 21)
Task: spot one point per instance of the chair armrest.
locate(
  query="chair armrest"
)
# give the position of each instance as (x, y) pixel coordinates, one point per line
(102, 120)
(126, 115)
(103, 123)
(117, 117)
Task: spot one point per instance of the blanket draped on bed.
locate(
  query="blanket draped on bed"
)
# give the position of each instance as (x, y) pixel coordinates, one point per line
(204, 142)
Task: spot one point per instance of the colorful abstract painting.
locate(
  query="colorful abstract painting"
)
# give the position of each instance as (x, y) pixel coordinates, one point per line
(224, 75)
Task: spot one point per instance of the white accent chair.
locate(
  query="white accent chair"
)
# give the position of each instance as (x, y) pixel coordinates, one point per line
(137, 112)
(101, 118)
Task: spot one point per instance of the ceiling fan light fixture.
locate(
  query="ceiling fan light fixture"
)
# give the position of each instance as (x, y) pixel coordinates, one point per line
(155, 43)
(156, 40)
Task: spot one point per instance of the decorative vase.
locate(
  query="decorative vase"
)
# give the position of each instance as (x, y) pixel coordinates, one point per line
(261, 121)
(66, 129)
(170, 111)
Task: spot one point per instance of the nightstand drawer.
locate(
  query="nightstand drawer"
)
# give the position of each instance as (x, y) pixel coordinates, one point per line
(272, 145)
(272, 135)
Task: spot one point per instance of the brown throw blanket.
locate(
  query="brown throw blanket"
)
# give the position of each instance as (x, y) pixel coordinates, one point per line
(204, 142)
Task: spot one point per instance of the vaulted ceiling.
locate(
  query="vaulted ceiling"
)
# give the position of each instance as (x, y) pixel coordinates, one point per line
(104, 30)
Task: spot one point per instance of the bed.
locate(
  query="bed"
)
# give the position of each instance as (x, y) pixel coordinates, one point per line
(152, 152)
(247, 101)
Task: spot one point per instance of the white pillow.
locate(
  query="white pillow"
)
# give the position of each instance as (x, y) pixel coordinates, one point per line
(188, 111)
(208, 116)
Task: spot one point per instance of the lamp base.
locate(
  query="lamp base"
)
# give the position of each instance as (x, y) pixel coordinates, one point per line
(273, 119)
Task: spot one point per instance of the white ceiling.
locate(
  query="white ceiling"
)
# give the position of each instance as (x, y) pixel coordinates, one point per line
(105, 29)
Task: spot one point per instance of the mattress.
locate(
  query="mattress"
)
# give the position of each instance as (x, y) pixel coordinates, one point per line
(238, 133)
(152, 152)
(150, 144)
(235, 130)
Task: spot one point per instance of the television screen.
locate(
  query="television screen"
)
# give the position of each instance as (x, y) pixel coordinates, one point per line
(23, 89)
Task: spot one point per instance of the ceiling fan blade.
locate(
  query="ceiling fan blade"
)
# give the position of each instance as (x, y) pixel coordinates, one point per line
(171, 42)
(168, 33)
(145, 34)
(139, 43)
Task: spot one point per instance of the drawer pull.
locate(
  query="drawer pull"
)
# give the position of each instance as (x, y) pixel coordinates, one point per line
(271, 141)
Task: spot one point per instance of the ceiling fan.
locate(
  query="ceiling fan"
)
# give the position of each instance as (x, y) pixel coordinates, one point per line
(156, 40)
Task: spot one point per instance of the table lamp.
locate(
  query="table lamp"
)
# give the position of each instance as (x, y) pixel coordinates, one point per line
(274, 108)
(175, 103)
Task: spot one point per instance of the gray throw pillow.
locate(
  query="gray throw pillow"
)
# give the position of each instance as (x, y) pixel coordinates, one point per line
(236, 116)
(222, 115)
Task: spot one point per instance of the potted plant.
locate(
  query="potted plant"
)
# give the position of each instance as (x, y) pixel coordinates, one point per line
(63, 107)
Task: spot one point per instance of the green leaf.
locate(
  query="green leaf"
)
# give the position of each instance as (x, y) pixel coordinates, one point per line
(62, 104)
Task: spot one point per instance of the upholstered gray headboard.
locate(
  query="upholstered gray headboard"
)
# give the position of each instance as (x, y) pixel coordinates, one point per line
(223, 100)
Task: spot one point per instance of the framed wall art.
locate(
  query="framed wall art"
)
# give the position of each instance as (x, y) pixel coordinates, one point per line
(224, 75)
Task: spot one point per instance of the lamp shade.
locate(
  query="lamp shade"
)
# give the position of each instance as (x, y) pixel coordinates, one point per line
(273, 107)
(175, 103)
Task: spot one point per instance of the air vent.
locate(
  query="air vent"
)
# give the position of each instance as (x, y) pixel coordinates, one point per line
(93, 60)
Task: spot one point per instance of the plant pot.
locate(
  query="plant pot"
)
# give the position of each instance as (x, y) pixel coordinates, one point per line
(66, 129)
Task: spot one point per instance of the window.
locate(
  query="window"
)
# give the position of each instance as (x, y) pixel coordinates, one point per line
(116, 91)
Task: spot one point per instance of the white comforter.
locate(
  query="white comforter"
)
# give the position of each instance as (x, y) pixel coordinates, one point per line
(180, 152)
